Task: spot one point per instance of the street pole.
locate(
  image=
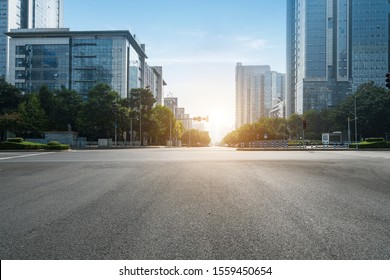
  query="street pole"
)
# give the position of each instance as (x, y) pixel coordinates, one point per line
(170, 132)
(131, 135)
(356, 126)
(140, 118)
(349, 131)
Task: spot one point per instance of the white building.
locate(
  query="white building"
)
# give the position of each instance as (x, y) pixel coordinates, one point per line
(154, 80)
(257, 90)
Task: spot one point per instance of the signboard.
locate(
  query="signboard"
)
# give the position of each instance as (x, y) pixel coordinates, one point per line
(325, 138)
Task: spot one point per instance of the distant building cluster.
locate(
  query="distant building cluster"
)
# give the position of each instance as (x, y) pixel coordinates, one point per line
(179, 112)
(333, 47)
(260, 92)
(36, 50)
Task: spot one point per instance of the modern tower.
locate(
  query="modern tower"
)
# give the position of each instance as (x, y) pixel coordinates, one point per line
(369, 41)
(15, 14)
(333, 46)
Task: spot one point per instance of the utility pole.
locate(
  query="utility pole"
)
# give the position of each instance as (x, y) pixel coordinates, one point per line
(356, 126)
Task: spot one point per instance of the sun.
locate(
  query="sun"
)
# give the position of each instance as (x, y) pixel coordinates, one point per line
(218, 119)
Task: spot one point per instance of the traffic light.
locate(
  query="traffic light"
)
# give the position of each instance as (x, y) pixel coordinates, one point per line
(388, 80)
(199, 119)
(304, 124)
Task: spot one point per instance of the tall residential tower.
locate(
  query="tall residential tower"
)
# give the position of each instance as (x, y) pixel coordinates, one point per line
(257, 89)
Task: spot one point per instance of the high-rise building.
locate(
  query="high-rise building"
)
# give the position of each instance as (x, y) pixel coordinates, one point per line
(257, 88)
(26, 14)
(77, 60)
(369, 29)
(333, 46)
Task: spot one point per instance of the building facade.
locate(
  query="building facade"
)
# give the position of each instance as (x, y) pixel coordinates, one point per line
(257, 89)
(154, 80)
(77, 60)
(172, 104)
(15, 14)
(333, 46)
(370, 36)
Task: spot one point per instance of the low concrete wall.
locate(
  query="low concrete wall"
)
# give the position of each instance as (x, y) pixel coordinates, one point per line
(64, 137)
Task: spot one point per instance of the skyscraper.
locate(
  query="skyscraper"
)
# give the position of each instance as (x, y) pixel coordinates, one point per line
(333, 46)
(369, 41)
(16, 14)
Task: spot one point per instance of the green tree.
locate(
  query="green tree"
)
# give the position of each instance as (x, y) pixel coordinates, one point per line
(372, 110)
(11, 121)
(295, 126)
(162, 122)
(196, 138)
(99, 112)
(231, 139)
(49, 106)
(142, 99)
(10, 97)
(68, 109)
(33, 116)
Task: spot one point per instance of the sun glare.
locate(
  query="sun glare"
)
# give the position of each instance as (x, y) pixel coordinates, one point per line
(219, 119)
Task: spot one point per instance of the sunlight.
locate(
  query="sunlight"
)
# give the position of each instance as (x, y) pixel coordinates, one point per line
(218, 119)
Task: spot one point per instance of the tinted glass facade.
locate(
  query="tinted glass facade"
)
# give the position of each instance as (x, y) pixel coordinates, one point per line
(42, 64)
(16, 14)
(92, 62)
(76, 60)
(333, 46)
(370, 41)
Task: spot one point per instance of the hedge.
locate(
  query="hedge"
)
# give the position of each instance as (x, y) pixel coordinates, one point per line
(369, 145)
(31, 146)
(374, 139)
(15, 140)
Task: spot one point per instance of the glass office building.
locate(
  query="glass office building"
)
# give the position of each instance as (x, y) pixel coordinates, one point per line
(369, 41)
(77, 60)
(16, 14)
(333, 46)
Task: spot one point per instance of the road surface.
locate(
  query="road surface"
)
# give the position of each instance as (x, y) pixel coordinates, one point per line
(188, 203)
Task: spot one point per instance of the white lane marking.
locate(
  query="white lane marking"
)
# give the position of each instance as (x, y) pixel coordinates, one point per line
(29, 155)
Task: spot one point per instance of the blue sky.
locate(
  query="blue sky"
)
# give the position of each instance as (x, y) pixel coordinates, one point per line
(198, 43)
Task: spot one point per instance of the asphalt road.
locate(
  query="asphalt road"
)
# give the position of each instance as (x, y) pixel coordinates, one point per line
(208, 203)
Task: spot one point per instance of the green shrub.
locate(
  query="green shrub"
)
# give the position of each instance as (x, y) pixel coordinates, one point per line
(57, 147)
(374, 139)
(53, 143)
(21, 146)
(15, 140)
(371, 145)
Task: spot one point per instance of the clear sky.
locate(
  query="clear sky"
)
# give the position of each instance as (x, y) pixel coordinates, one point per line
(198, 43)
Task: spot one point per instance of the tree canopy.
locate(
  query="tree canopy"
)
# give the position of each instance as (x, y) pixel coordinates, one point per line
(372, 112)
